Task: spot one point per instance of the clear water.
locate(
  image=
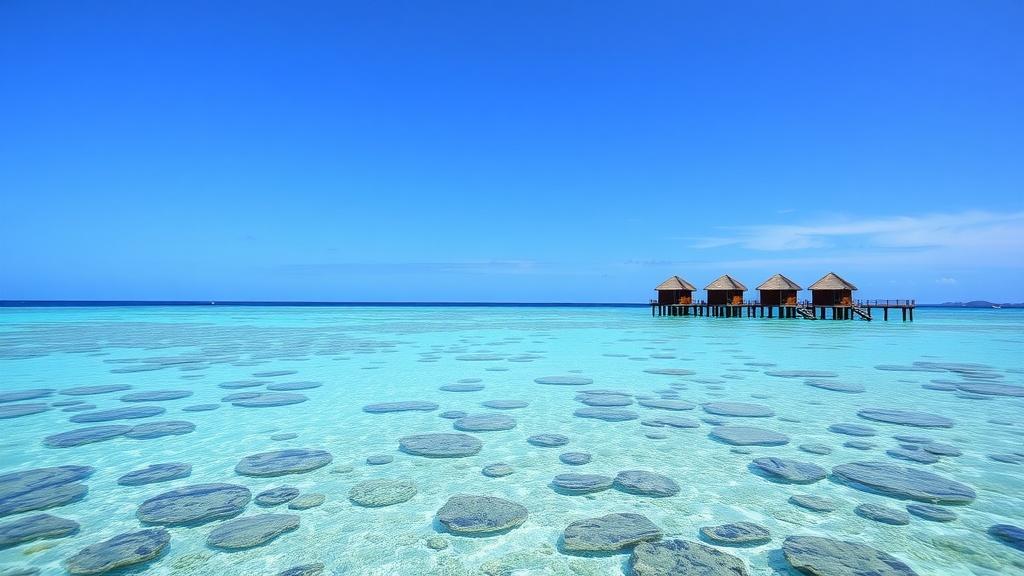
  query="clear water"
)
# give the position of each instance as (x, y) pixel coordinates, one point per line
(380, 354)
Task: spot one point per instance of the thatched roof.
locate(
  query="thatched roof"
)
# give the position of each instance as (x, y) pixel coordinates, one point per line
(676, 283)
(832, 282)
(779, 282)
(726, 283)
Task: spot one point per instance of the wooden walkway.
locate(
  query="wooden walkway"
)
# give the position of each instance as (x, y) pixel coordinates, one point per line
(860, 309)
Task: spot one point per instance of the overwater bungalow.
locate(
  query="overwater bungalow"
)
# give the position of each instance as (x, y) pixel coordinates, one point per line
(725, 299)
(832, 290)
(675, 290)
(778, 291)
(726, 291)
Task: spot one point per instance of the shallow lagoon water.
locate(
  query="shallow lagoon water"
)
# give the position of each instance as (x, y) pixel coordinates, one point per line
(373, 355)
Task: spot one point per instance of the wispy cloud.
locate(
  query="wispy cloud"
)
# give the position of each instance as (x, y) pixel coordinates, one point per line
(947, 281)
(982, 234)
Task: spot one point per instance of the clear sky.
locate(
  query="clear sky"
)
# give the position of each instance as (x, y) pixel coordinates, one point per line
(508, 150)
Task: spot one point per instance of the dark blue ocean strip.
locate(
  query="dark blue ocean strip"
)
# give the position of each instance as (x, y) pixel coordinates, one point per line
(127, 303)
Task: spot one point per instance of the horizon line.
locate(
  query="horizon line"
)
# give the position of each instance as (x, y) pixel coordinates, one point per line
(28, 303)
(23, 303)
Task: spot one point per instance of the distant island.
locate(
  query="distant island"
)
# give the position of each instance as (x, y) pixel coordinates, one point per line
(978, 304)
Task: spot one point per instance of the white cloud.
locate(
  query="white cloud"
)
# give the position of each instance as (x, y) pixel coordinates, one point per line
(949, 281)
(971, 237)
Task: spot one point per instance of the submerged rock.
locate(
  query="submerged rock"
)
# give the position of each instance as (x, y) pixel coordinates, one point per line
(87, 435)
(609, 533)
(882, 514)
(679, 558)
(307, 501)
(1009, 534)
(670, 371)
(564, 380)
(987, 389)
(91, 390)
(152, 430)
(575, 458)
(918, 419)
(156, 473)
(378, 493)
(280, 462)
(16, 410)
(413, 405)
(270, 399)
(251, 531)
(606, 414)
(440, 445)
(314, 569)
(646, 483)
(827, 557)
(461, 388)
(738, 409)
(859, 444)
(506, 404)
(901, 482)
(497, 470)
(200, 407)
(42, 488)
(836, 386)
(25, 394)
(748, 436)
(914, 455)
(289, 386)
(604, 399)
(737, 534)
(814, 503)
(468, 514)
(121, 550)
(801, 374)
(671, 422)
(35, 527)
(241, 396)
(275, 496)
(853, 429)
(156, 396)
(933, 513)
(548, 440)
(941, 449)
(129, 413)
(437, 543)
(667, 404)
(790, 470)
(582, 483)
(193, 505)
(237, 384)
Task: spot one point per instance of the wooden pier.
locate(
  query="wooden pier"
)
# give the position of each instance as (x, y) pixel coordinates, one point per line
(755, 309)
(831, 297)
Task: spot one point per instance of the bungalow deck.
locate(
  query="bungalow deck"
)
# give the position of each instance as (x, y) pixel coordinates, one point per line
(755, 309)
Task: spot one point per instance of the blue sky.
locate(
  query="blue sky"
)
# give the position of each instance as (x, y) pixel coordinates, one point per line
(508, 151)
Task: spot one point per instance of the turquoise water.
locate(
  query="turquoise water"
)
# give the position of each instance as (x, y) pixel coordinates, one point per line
(383, 354)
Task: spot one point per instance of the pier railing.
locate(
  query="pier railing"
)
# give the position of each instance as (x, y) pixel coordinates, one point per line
(846, 310)
(889, 303)
(860, 303)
